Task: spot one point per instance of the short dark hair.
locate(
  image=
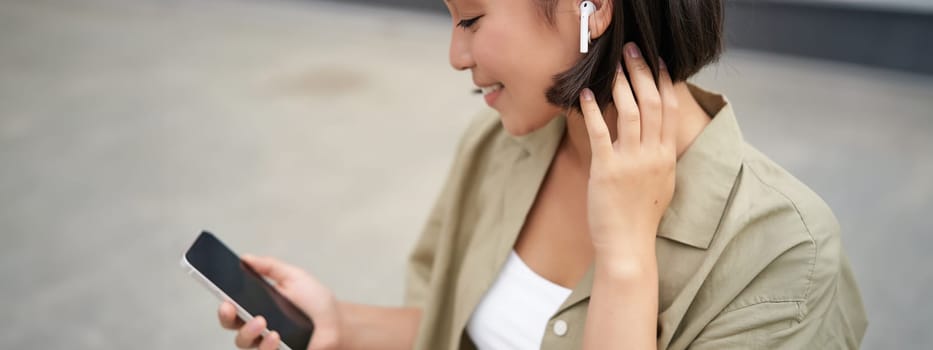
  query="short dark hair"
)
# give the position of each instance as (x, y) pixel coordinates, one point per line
(686, 34)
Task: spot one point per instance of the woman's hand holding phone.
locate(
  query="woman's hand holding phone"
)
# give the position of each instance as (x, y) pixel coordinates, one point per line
(309, 295)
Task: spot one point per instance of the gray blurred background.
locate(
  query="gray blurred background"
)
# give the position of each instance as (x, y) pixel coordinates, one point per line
(320, 132)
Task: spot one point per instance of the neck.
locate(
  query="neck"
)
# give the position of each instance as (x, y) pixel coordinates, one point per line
(689, 125)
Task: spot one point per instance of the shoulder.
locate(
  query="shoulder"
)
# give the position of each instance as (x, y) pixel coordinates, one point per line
(781, 279)
(789, 235)
(483, 144)
(483, 127)
(810, 215)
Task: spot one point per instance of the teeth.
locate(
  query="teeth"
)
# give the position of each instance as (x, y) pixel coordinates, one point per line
(493, 88)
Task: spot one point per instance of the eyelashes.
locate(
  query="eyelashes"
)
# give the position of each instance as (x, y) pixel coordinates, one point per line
(468, 23)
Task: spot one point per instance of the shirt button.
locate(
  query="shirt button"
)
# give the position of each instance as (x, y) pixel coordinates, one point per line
(560, 328)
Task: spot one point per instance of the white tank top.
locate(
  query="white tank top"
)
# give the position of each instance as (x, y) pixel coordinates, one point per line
(514, 312)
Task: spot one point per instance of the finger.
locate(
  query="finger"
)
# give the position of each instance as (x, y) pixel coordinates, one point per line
(228, 318)
(270, 267)
(600, 139)
(248, 336)
(646, 93)
(270, 341)
(629, 122)
(670, 106)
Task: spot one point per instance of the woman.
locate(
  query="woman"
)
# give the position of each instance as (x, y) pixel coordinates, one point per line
(559, 227)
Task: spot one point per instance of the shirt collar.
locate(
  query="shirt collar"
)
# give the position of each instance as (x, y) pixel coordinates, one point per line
(706, 171)
(706, 174)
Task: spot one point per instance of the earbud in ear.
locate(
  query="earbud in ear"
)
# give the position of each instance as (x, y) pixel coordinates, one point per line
(586, 9)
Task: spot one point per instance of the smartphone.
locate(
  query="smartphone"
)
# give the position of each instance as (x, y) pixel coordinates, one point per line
(209, 261)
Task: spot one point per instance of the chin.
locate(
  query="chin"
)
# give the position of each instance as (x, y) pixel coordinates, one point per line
(517, 125)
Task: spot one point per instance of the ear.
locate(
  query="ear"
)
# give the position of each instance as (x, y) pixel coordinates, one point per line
(599, 20)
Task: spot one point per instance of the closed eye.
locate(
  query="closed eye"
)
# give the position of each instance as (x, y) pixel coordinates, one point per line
(468, 23)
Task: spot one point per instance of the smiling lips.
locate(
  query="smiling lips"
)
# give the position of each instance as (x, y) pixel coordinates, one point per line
(491, 88)
(490, 93)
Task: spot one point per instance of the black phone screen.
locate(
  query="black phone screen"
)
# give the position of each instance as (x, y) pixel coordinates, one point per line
(242, 284)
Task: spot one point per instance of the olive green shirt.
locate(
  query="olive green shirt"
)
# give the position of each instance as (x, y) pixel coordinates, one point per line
(748, 257)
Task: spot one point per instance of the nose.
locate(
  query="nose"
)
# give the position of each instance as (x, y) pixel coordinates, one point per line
(461, 58)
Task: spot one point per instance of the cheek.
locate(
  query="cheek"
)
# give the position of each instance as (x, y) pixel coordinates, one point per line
(492, 50)
(525, 61)
(506, 54)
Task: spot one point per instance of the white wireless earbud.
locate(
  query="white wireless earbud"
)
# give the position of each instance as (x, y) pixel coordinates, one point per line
(586, 9)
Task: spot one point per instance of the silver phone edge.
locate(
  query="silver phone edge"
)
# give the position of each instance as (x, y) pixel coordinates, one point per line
(197, 275)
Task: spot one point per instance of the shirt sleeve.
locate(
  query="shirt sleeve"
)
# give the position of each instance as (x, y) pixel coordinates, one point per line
(421, 260)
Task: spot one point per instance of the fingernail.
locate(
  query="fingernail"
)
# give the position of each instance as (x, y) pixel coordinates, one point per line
(258, 325)
(661, 63)
(587, 94)
(632, 50)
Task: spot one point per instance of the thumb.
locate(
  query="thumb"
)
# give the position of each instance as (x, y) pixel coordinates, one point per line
(270, 267)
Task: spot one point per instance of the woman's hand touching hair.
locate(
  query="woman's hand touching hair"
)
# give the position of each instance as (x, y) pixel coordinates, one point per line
(631, 184)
